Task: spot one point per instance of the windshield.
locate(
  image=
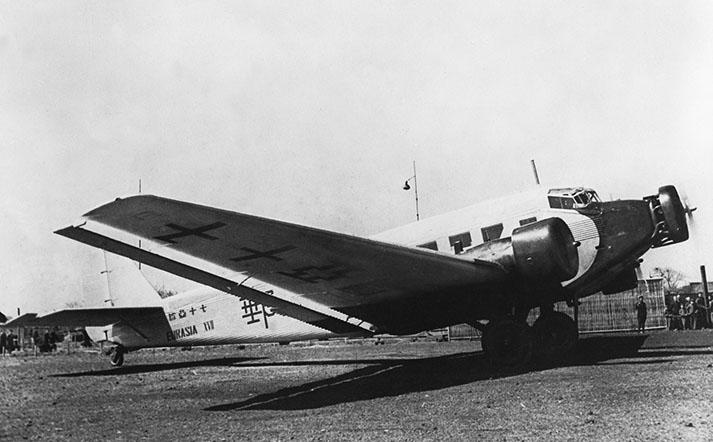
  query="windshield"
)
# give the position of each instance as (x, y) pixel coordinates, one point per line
(584, 198)
(573, 198)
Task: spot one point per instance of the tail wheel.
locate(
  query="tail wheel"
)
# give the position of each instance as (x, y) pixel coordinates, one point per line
(508, 344)
(116, 356)
(555, 335)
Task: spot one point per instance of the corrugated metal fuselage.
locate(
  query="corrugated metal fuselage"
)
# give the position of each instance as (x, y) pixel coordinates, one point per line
(209, 317)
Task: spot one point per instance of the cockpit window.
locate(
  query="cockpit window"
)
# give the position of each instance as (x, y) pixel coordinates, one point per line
(586, 197)
(568, 203)
(578, 198)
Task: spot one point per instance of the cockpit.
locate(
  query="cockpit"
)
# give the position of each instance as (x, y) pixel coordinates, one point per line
(572, 198)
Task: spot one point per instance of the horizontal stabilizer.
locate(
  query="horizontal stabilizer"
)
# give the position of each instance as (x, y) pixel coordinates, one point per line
(90, 317)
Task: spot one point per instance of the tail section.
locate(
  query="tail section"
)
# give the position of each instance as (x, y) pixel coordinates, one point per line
(127, 285)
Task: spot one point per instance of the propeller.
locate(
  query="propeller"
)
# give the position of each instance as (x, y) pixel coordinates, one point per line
(688, 208)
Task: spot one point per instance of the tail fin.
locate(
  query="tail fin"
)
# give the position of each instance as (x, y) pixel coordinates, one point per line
(127, 285)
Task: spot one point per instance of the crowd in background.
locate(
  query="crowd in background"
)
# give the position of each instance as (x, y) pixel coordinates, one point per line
(44, 342)
(688, 314)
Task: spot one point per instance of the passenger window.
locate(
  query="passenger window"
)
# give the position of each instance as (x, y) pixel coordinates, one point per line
(491, 233)
(460, 241)
(555, 202)
(524, 222)
(429, 245)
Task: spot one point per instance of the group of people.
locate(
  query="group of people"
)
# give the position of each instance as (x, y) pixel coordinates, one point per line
(687, 313)
(8, 342)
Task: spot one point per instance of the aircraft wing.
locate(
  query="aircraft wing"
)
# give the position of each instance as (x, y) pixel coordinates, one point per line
(91, 317)
(385, 284)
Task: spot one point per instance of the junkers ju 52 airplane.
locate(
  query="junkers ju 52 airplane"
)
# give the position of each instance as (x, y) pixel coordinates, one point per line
(487, 265)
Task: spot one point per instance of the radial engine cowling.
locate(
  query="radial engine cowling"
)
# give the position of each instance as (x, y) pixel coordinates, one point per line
(543, 251)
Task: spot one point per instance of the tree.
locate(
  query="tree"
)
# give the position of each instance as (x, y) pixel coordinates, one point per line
(163, 292)
(74, 304)
(672, 279)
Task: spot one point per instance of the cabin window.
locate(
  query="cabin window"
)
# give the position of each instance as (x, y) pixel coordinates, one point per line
(460, 241)
(492, 233)
(429, 245)
(568, 203)
(526, 221)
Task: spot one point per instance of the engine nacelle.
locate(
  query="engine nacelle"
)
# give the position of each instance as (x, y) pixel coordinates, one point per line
(669, 217)
(544, 250)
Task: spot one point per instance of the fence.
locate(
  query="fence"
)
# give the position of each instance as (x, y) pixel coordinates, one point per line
(601, 313)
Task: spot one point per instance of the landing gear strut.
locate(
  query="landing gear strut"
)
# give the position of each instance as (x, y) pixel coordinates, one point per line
(116, 355)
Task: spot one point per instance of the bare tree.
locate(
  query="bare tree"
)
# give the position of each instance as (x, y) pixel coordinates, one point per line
(672, 279)
(74, 304)
(163, 292)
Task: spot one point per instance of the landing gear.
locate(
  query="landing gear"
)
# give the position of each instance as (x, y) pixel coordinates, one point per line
(511, 344)
(116, 355)
(508, 344)
(555, 335)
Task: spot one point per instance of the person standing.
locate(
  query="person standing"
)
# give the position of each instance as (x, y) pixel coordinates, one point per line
(688, 314)
(640, 308)
(673, 314)
(3, 343)
(10, 342)
(700, 313)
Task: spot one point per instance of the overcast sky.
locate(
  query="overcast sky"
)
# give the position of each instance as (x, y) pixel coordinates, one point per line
(313, 112)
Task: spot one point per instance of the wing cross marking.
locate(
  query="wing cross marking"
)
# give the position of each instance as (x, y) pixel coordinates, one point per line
(268, 254)
(186, 231)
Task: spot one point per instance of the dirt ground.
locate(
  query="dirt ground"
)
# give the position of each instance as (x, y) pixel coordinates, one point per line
(618, 387)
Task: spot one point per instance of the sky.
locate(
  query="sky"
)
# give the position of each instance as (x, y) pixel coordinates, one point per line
(313, 112)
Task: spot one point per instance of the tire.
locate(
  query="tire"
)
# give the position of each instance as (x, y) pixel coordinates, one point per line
(117, 357)
(508, 344)
(555, 336)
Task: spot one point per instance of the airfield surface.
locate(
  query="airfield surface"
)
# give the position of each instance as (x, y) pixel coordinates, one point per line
(618, 387)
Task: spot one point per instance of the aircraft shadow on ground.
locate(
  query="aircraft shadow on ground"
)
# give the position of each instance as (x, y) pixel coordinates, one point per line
(398, 376)
(147, 368)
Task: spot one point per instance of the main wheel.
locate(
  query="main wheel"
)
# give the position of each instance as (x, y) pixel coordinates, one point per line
(508, 344)
(116, 357)
(555, 335)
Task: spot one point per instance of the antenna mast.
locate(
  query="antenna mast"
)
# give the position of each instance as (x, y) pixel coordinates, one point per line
(534, 171)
